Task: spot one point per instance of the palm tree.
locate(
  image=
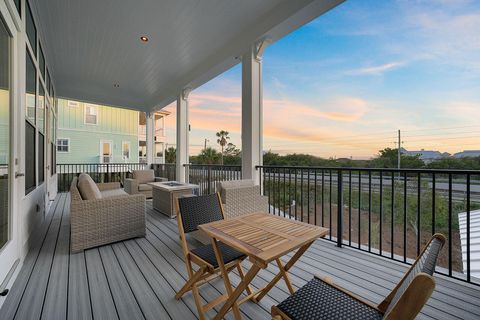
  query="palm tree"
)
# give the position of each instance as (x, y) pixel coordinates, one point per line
(170, 155)
(222, 136)
(209, 156)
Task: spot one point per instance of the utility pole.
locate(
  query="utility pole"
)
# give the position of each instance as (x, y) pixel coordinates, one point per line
(205, 144)
(399, 153)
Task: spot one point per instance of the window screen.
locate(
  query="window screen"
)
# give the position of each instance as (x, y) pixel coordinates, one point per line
(31, 29)
(29, 157)
(41, 158)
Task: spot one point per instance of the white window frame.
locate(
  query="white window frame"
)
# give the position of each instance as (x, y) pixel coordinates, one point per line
(129, 150)
(68, 145)
(73, 104)
(93, 107)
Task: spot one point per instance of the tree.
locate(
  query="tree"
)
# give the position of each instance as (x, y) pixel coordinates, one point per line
(388, 158)
(208, 156)
(170, 155)
(222, 140)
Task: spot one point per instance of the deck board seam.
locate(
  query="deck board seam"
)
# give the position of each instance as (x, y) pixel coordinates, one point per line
(53, 259)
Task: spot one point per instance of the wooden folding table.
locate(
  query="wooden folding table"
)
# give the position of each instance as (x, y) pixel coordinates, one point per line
(263, 238)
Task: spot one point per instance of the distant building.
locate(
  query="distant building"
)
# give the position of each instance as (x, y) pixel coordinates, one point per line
(426, 156)
(467, 153)
(90, 133)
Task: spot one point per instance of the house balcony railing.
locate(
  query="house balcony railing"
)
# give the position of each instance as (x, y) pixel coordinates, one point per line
(386, 212)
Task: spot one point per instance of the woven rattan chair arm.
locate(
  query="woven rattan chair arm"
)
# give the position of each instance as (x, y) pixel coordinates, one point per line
(331, 283)
(131, 186)
(108, 186)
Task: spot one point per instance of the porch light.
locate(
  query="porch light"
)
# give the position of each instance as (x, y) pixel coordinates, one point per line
(144, 38)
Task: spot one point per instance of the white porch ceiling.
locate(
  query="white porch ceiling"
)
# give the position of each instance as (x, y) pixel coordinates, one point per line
(91, 45)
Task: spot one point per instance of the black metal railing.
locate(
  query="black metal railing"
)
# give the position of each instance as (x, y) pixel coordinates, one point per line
(388, 212)
(206, 176)
(100, 172)
(165, 170)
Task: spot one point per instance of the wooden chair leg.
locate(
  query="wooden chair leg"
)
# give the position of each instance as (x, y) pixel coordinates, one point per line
(226, 279)
(198, 302)
(189, 284)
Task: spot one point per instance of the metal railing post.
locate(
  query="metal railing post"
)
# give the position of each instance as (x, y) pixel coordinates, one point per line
(339, 208)
(209, 179)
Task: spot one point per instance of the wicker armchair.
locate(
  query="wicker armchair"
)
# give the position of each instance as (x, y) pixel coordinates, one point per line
(139, 183)
(321, 299)
(241, 197)
(114, 217)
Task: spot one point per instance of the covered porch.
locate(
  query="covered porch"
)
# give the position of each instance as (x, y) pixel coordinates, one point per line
(138, 278)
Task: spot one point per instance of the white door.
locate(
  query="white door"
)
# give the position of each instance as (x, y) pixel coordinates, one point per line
(106, 151)
(8, 235)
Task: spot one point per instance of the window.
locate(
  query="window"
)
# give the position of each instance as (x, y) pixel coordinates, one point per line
(63, 145)
(72, 104)
(31, 89)
(41, 109)
(29, 157)
(41, 62)
(41, 158)
(53, 159)
(90, 114)
(18, 4)
(126, 150)
(31, 29)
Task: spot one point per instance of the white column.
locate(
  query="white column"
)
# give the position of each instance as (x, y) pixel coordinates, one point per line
(150, 140)
(252, 111)
(182, 136)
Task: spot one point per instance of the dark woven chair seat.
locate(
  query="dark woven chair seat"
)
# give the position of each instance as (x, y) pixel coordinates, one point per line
(206, 253)
(318, 300)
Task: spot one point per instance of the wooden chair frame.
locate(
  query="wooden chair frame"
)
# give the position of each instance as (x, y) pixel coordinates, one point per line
(207, 272)
(407, 307)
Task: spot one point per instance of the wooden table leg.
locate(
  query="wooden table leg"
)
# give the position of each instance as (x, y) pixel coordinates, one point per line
(282, 273)
(241, 287)
(226, 279)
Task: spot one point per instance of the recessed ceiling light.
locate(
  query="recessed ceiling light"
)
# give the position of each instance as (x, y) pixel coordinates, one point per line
(144, 38)
(116, 85)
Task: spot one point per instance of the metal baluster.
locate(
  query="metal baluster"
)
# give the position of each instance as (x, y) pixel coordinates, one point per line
(350, 207)
(468, 227)
(315, 198)
(323, 198)
(284, 192)
(434, 205)
(381, 213)
(450, 209)
(392, 222)
(405, 212)
(330, 207)
(359, 208)
(369, 211)
(339, 208)
(419, 202)
(308, 195)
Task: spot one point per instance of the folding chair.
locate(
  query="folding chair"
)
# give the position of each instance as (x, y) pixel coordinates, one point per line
(191, 212)
(321, 299)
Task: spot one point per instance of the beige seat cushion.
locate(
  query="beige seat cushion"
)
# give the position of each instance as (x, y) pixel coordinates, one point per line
(113, 193)
(88, 188)
(144, 187)
(144, 176)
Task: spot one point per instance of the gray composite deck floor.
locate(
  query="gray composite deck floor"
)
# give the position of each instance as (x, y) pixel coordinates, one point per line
(137, 279)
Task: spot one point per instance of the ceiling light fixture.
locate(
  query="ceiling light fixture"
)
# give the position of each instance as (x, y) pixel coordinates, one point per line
(144, 38)
(116, 85)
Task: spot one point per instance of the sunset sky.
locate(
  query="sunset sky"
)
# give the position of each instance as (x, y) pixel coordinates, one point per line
(343, 85)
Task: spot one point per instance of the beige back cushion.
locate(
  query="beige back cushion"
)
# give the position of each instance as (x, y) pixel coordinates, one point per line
(88, 188)
(144, 176)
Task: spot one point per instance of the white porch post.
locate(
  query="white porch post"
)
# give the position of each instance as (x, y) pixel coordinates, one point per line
(182, 136)
(150, 134)
(252, 111)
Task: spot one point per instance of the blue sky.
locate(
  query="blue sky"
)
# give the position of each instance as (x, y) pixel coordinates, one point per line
(342, 85)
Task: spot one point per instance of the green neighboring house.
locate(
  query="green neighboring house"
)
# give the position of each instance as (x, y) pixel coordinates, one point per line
(89, 133)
